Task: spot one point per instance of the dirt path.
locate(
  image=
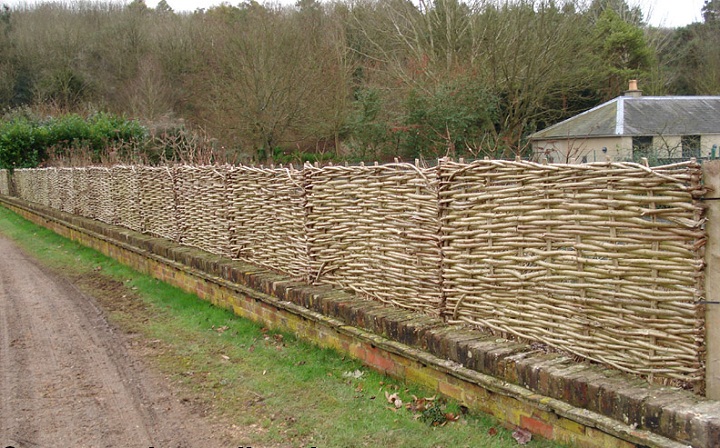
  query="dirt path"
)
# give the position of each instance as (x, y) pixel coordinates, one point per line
(68, 379)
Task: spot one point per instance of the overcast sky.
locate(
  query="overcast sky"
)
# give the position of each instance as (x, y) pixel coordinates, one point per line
(669, 13)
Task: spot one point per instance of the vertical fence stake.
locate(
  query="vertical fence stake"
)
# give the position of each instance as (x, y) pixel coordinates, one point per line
(711, 177)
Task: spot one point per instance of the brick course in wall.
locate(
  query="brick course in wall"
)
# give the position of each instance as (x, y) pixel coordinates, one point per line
(546, 393)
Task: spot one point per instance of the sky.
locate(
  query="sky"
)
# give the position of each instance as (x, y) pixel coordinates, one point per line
(667, 13)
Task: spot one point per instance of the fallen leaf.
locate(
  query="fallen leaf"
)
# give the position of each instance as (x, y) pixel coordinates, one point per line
(418, 404)
(357, 374)
(522, 436)
(390, 398)
(492, 432)
(225, 357)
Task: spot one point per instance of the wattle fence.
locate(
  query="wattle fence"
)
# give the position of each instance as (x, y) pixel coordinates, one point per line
(604, 261)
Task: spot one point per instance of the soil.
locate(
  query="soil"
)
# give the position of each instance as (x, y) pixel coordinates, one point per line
(69, 378)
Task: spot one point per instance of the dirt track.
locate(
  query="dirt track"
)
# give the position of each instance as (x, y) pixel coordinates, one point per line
(68, 379)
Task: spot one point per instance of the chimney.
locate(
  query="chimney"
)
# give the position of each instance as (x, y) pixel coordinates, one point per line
(633, 91)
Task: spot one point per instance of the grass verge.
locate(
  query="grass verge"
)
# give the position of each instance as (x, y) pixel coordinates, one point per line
(291, 393)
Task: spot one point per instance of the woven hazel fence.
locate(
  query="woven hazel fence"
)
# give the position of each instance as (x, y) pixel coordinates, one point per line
(32, 184)
(375, 230)
(266, 217)
(125, 197)
(42, 191)
(23, 184)
(202, 208)
(67, 192)
(54, 187)
(604, 261)
(100, 193)
(4, 182)
(85, 197)
(158, 202)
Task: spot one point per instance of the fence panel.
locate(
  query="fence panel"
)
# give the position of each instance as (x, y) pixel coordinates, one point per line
(32, 185)
(158, 202)
(4, 183)
(23, 187)
(100, 185)
(601, 260)
(125, 197)
(375, 230)
(43, 188)
(85, 197)
(53, 189)
(202, 208)
(266, 216)
(66, 189)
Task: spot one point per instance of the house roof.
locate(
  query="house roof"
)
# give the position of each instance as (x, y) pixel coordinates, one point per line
(637, 116)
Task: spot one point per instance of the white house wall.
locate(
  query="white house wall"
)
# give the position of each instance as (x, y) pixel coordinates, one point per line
(583, 149)
(599, 149)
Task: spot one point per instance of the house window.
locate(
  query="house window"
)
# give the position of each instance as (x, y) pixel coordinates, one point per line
(641, 147)
(690, 146)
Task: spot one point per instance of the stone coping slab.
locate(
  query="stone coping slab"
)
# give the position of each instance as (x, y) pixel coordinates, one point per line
(624, 406)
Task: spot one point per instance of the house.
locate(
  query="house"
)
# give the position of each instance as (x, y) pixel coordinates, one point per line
(633, 126)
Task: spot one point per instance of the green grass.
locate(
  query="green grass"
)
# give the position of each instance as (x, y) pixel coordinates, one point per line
(291, 392)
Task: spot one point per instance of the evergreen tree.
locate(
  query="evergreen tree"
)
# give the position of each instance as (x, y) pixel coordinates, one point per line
(163, 7)
(711, 11)
(623, 50)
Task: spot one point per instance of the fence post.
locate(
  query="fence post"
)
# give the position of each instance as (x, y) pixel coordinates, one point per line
(711, 178)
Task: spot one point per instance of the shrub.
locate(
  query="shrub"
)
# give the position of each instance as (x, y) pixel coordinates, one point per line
(25, 139)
